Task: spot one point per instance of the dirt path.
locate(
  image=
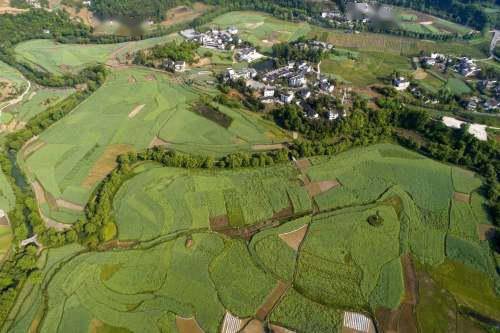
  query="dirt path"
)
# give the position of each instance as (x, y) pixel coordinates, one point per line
(270, 146)
(271, 300)
(136, 111)
(18, 99)
(187, 325)
(41, 199)
(69, 205)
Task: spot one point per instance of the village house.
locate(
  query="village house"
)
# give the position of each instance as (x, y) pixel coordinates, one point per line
(332, 115)
(245, 74)
(268, 92)
(297, 80)
(175, 66)
(248, 54)
(400, 83)
(304, 93)
(287, 97)
(467, 67)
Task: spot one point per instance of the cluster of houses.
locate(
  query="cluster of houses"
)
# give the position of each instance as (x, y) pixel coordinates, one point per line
(295, 82)
(467, 67)
(435, 59)
(214, 38)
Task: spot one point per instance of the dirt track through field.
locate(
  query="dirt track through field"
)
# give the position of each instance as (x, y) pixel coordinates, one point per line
(273, 146)
(157, 142)
(69, 205)
(41, 198)
(271, 300)
(294, 238)
(410, 279)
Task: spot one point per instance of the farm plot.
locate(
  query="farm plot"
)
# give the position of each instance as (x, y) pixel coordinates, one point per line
(164, 200)
(68, 166)
(262, 29)
(11, 82)
(365, 68)
(59, 58)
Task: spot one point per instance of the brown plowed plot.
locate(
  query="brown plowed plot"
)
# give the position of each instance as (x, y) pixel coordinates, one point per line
(105, 164)
(183, 13)
(69, 205)
(284, 213)
(187, 325)
(254, 326)
(219, 223)
(274, 146)
(387, 319)
(407, 320)
(271, 300)
(410, 279)
(157, 142)
(294, 238)
(4, 221)
(136, 111)
(462, 197)
(303, 165)
(485, 231)
(316, 188)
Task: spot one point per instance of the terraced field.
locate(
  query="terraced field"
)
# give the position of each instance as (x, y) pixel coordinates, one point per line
(216, 245)
(135, 109)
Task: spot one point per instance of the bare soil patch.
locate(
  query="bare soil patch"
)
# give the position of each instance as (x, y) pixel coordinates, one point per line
(303, 165)
(220, 222)
(271, 300)
(254, 326)
(184, 13)
(189, 243)
(187, 325)
(157, 142)
(407, 320)
(316, 188)
(486, 231)
(83, 15)
(11, 10)
(3, 221)
(461, 197)
(273, 146)
(69, 205)
(253, 25)
(136, 111)
(7, 90)
(150, 77)
(419, 74)
(294, 238)
(202, 62)
(105, 164)
(39, 192)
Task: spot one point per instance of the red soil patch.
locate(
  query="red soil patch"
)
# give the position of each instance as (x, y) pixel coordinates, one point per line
(294, 238)
(187, 325)
(316, 188)
(271, 300)
(303, 164)
(461, 197)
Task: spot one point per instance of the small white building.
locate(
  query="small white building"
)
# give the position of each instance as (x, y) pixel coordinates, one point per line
(401, 83)
(245, 73)
(287, 97)
(249, 54)
(232, 30)
(332, 115)
(268, 92)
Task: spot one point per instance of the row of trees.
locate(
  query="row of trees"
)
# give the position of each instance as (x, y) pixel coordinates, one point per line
(184, 51)
(133, 10)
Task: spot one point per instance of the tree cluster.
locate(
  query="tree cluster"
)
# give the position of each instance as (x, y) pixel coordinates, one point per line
(184, 51)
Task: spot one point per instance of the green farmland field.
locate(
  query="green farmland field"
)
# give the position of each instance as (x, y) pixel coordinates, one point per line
(68, 166)
(62, 58)
(182, 265)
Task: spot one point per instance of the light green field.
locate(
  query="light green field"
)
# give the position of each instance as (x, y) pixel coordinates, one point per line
(7, 199)
(168, 200)
(10, 74)
(414, 21)
(262, 29)
(68, 166)
(62, 58)
(365, 68)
